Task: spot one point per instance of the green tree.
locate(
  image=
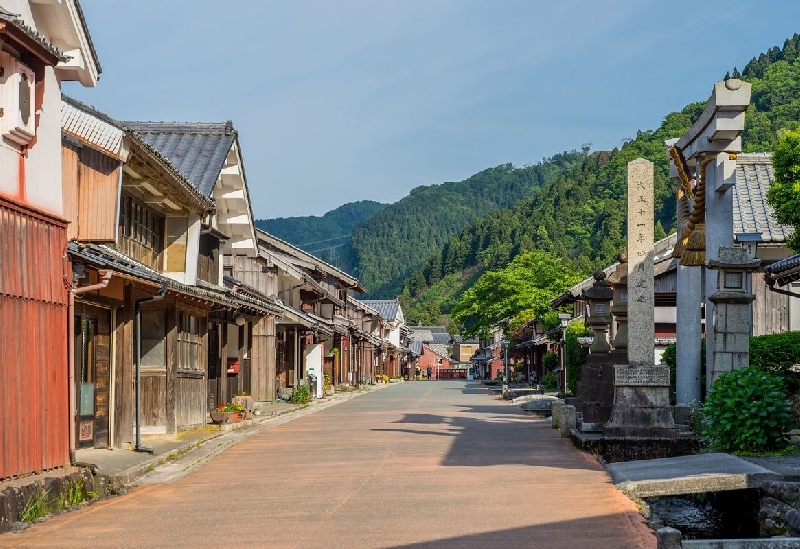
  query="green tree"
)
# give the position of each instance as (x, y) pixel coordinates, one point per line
(784, 194)
(512, 296)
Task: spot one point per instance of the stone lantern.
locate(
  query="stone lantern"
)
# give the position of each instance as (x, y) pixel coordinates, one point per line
(732, 316)
(619, 282)
(595, 390)
(598, 299)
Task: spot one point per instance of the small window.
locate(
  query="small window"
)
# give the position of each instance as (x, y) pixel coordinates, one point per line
(733, 280)
(190, 343)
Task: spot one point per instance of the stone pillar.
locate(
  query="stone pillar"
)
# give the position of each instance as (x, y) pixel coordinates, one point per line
(688, 331)
(568, 420)
(555, 412)
(720, 177)
(641, 389)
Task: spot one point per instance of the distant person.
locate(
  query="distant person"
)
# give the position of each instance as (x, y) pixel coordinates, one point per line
(430, 370)
(416, 374)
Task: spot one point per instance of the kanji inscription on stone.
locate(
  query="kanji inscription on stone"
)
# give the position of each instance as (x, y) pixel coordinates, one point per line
(640, 263)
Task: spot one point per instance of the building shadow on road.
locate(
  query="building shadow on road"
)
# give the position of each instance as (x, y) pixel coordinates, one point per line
(609, 531)
(484, 437)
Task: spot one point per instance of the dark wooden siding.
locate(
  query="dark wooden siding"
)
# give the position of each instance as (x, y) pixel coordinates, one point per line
(263, 359)
(208, 259)
(770, 309)
(154, 398)
(34, 422)
(190, 402)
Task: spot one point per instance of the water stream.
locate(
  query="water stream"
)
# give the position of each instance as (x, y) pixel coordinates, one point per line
(718, 515)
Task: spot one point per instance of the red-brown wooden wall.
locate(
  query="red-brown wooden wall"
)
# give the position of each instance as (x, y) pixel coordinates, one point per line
(34, 398)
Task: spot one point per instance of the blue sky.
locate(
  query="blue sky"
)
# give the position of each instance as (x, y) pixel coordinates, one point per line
(338, 101)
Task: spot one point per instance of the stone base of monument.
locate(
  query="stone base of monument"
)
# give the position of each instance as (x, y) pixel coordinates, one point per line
(596, 387)
(641, 403)
(641, 424)
(614, 450)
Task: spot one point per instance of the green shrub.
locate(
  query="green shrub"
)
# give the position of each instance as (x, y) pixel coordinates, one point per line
(777, 353)
(301, 394)
(746, 411)
(548, 381)
(550, 361)
(575, 354)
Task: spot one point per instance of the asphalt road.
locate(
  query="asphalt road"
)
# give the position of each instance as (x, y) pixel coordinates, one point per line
(416, 465)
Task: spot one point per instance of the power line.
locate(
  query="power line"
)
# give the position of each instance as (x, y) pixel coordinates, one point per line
(320, 241)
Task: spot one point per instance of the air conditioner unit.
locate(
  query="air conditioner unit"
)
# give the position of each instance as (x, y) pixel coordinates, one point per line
(17, 96)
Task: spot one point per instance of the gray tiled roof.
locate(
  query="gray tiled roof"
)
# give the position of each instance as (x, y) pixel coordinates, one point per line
(387, 308)
(433, 329)
(424, 336)
(438, 349)
(751, 213)
(197, 150)
(783, 272)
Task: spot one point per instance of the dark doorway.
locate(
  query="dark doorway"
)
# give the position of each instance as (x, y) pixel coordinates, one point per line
(92, 377)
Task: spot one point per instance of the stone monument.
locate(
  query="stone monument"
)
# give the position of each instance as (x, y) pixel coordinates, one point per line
(641, 388)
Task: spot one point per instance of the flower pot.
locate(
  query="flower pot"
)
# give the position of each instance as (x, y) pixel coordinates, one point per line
(236, 417)
(220, 417)
(246, 401)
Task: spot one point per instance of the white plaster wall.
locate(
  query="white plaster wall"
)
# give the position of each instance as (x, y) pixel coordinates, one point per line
(394, 337)
(193, 251)
(43, 165)
(23, 8)
(43, 161)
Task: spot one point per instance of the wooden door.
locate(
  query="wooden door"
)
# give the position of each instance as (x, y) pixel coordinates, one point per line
(213, 367)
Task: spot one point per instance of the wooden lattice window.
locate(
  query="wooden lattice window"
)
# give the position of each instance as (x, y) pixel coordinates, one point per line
(190, 343)
(141, 232)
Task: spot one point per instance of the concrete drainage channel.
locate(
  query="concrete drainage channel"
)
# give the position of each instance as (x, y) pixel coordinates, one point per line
(716, 496)
(704, 495)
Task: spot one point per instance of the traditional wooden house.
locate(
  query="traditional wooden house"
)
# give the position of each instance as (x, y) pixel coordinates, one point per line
(240, 341)
(435, 357)
(148, 357)
(314, 335)
(773, 312)
(42, 44)
(368, 342)
(394, 355)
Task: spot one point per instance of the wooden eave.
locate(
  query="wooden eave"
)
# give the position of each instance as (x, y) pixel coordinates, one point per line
(24, 42)
(163, 177)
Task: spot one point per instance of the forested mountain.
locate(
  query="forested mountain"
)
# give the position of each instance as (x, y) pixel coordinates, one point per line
(322, 236)
(389, 246)
(580, 216)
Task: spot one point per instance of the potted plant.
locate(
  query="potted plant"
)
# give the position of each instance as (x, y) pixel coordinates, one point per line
(232, 411)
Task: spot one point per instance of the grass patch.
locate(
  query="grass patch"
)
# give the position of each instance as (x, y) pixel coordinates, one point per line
(37, 506)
